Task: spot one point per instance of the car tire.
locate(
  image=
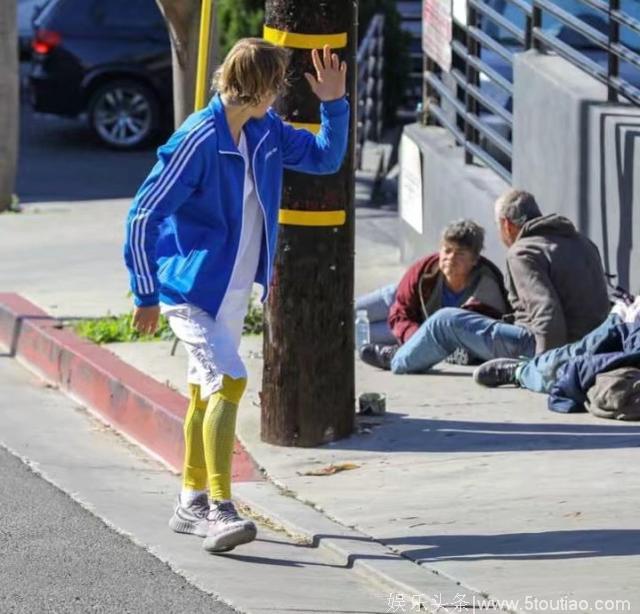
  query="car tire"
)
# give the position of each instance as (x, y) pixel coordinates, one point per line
(124, 114)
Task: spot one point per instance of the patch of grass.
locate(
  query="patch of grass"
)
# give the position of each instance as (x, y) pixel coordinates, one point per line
(14, 205)
(118, 329)
(114, 329)
(254, 321)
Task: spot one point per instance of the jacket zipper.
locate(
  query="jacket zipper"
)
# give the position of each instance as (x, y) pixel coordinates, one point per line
(235, 258)
(264, 214)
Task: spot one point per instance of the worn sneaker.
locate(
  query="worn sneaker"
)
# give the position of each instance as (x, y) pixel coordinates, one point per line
(226, 528)
(191, 518)
(459, 357)
(378, 355)
(462, 357)
(497, 372)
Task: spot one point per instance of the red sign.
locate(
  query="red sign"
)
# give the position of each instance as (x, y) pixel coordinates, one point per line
(436, 31)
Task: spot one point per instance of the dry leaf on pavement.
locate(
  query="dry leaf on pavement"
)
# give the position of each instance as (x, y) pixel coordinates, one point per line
(331, 469)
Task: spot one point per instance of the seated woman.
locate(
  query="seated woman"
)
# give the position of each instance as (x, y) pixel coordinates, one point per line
(455, 283)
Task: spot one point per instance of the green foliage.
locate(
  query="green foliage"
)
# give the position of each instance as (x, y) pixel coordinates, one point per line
(113, 329)
(254, 321)
(238, 19)
(14, 205)
(396, 52)
(242, 18)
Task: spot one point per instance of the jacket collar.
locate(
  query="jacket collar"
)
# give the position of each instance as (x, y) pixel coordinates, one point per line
(254, 129)
(225, 140)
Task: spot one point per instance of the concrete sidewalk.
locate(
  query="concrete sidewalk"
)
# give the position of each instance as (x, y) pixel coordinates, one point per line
(487, 488)
(67, 257)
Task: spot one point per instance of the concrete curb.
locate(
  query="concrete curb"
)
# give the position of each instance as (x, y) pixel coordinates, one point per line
(151, 415)
(138, 406)
(353, 549)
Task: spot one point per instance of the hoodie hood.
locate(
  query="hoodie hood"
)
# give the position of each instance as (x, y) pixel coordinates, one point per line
(552, 224)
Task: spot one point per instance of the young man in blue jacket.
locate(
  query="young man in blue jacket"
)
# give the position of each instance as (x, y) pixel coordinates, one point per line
(203, 228)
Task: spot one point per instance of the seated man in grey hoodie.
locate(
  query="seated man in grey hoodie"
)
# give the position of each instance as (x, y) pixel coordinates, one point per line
(555, 281)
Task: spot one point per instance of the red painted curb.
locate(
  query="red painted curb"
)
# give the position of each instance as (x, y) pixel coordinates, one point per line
(130, 401)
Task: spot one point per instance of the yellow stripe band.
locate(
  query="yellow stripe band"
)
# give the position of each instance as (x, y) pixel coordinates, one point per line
(315, 128)
(304, 41)
(313, 218)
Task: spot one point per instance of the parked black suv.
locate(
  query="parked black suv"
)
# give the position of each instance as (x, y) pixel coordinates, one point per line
(111, 59)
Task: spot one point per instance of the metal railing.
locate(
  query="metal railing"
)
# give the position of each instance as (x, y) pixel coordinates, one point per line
(474, 99)
(597, 36)
(609, 40)
(370, 63)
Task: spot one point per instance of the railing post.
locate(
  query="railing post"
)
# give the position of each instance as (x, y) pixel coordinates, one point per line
(473, 77)
(536, 23)
(528, 32)
(613, 64)
(428, 93)
(379, 78)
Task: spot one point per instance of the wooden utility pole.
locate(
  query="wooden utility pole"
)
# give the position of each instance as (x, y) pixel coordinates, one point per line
(9, 101)
(308, 383)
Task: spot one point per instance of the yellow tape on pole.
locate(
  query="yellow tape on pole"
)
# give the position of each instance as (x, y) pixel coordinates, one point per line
(304, 41)
(292, 217)
(315, 128)
(203, 54)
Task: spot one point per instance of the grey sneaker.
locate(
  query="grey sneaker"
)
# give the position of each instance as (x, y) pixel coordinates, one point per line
(497, 372)
(459, 357)
(193, 518)
(226, 528)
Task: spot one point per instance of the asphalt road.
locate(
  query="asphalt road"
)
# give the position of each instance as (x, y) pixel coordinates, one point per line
(56, 557)
(61, 160)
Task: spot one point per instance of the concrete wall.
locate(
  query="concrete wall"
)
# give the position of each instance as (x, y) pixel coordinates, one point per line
(450, 190)
(579, 155)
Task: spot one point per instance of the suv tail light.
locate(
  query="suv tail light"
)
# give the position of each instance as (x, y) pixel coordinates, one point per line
(44, 41)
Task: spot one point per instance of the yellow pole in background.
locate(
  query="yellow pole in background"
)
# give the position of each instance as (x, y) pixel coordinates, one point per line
(202, 72)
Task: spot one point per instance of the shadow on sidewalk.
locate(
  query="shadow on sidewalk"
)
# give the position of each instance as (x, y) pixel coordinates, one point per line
(401, 434)
(546, 545)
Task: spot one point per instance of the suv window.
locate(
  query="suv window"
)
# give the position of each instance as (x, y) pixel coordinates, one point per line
(128, 14)
(65, 15)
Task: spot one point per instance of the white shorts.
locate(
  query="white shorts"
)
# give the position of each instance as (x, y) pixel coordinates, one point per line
(212, 345)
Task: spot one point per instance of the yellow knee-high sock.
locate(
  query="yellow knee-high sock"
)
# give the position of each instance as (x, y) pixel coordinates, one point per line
(219, 430)
(194, 474)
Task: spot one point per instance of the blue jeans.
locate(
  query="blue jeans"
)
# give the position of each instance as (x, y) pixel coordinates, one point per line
(539, 374)
(451, 328)
(377, 305)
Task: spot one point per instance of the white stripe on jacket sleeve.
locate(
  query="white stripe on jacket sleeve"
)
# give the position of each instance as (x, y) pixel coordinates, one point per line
(145, 283)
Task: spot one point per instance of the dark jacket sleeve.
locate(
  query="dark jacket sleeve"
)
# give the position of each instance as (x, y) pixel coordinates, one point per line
(405, 315)
(569, 391)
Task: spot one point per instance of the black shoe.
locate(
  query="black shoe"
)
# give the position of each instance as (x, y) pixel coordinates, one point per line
(497, 372)
(378, 355)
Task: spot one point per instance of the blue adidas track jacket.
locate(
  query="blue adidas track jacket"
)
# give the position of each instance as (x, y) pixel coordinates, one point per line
(183, 229)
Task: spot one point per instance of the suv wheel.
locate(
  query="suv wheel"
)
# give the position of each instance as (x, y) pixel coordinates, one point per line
(124, 114)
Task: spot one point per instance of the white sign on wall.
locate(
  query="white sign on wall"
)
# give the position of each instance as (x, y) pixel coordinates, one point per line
(437, 26)
(410, 183)
(460, 12)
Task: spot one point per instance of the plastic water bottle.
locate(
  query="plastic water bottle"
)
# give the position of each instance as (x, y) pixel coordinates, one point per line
(363, 335)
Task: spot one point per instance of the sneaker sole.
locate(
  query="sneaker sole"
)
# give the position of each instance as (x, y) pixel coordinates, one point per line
(187, 527)
(228, 541)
